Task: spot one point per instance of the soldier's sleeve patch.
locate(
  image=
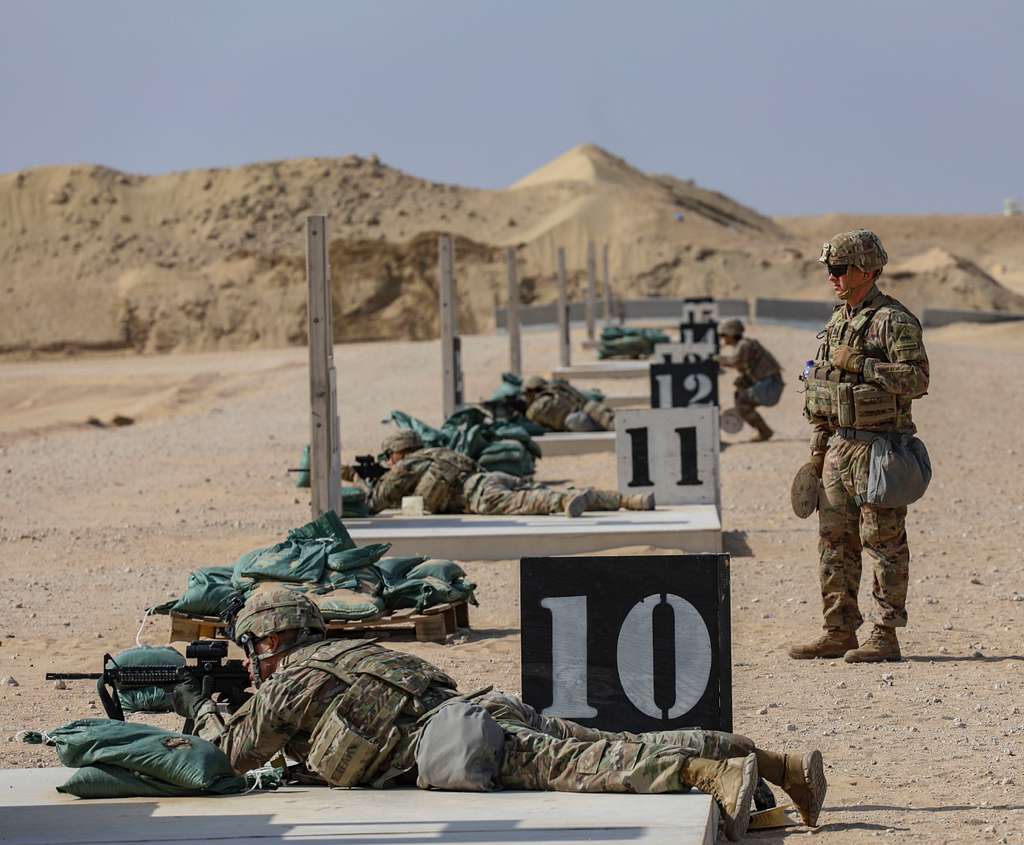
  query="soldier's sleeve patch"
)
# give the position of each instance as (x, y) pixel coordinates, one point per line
(906, 344)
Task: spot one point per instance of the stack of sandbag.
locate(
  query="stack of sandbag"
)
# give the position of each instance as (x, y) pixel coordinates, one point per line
(118, 759)
(622, 342)
(320, 559)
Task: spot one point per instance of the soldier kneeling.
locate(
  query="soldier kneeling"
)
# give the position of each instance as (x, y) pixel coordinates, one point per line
(354, 713)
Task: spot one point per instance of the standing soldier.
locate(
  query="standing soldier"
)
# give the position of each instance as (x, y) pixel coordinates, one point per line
(760, 377)
(869, 368)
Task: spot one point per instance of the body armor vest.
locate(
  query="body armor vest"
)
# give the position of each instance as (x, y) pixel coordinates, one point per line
(370, 723)
(844, 399)
(441, 483)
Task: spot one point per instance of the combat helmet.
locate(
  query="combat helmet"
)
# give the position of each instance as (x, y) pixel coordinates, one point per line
(271, 611)
(730, 328)
(403, 440)
(861, 248)
(535, 383)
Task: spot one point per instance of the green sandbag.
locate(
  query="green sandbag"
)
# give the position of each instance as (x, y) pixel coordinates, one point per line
(147, 699)
(518, 431)
(446, 570)
(353, 502)
(287, 561)
(167, 763)
(208, 592)
(509, 456)
(327, 526)
(426, 592)
(348, 605)
(394, 569)
(364, 579)
(355, 558)
(428, 434)
(511, 386)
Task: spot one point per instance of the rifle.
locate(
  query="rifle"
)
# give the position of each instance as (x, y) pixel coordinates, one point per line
(506, 409)
(227, 679)
(369, 468)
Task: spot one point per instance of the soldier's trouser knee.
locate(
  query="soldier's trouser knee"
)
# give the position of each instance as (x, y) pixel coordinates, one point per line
(745, 406)
(501, 493)
(581, 421)
(845, 529)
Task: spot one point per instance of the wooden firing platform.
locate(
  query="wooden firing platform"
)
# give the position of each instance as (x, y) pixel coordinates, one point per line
(34, 813)
(686, 528)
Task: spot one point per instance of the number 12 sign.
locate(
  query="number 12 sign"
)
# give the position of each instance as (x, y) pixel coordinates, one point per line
(672, 452)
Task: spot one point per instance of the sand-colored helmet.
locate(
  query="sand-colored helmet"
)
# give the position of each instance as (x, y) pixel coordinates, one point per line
(861, 248)
(273, 610)
(535, 383)
(403, 440)
(730, 328)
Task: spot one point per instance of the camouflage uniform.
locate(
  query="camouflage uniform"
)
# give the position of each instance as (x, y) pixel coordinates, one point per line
(755, 363)
(540, 752)
(437, 474)
(501, 493)
(558, 404)
(845, 409)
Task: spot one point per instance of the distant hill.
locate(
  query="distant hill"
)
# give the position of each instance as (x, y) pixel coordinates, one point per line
(93, 258)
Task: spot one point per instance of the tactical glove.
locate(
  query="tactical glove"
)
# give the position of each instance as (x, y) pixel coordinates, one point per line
(348, 473)
(846, 359)
(188, 697)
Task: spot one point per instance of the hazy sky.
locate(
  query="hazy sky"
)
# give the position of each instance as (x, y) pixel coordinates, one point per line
(797, 107)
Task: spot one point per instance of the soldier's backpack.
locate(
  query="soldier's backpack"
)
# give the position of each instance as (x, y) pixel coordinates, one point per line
(441, 484)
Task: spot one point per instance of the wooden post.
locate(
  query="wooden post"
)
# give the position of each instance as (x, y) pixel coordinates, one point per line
(451, 345)
(591, 289)
(607, 290)
(564, 338)
(325, 430)
(515, 349)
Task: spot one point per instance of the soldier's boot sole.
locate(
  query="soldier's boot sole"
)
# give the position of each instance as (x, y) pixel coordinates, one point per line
(824, 648)
(576, 505)
(806, 784)
(735, 810)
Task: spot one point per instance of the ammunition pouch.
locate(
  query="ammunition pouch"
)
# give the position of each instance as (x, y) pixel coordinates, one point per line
(843, 399)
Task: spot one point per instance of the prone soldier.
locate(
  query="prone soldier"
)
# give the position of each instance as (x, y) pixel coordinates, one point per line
(354, 713)
(869, 369)
(760, 377)
(451, 482)
(558, 406)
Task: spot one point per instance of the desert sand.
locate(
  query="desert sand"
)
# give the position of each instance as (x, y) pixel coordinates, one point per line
(95, 259)
(98, 521)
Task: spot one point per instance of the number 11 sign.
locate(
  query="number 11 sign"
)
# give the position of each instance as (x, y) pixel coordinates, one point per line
(672, 452)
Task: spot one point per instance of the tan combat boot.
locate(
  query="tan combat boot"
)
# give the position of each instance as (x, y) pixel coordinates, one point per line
(639, 502)
(835, 642)
(881, 645)
(731, 783)
(805, 783)
(764, 432)
(576, 502)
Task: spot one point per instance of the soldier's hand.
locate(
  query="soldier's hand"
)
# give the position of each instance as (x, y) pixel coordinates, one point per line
(347, 473)
(187, 696)
(847, 359)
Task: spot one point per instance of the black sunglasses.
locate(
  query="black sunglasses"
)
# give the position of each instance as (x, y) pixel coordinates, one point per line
(838, 270)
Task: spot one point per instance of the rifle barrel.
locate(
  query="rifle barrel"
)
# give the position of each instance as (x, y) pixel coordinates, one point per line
(73, 676)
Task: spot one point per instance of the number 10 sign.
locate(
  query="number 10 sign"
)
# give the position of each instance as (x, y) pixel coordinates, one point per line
(628, 643)
(672, 452)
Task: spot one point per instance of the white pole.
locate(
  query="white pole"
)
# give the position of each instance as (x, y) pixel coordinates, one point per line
(563, 312)
(591, 289)
(515, 349)
(607, 290)
(325, 430)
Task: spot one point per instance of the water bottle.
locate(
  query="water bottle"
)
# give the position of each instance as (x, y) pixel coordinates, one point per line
(807, 370)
